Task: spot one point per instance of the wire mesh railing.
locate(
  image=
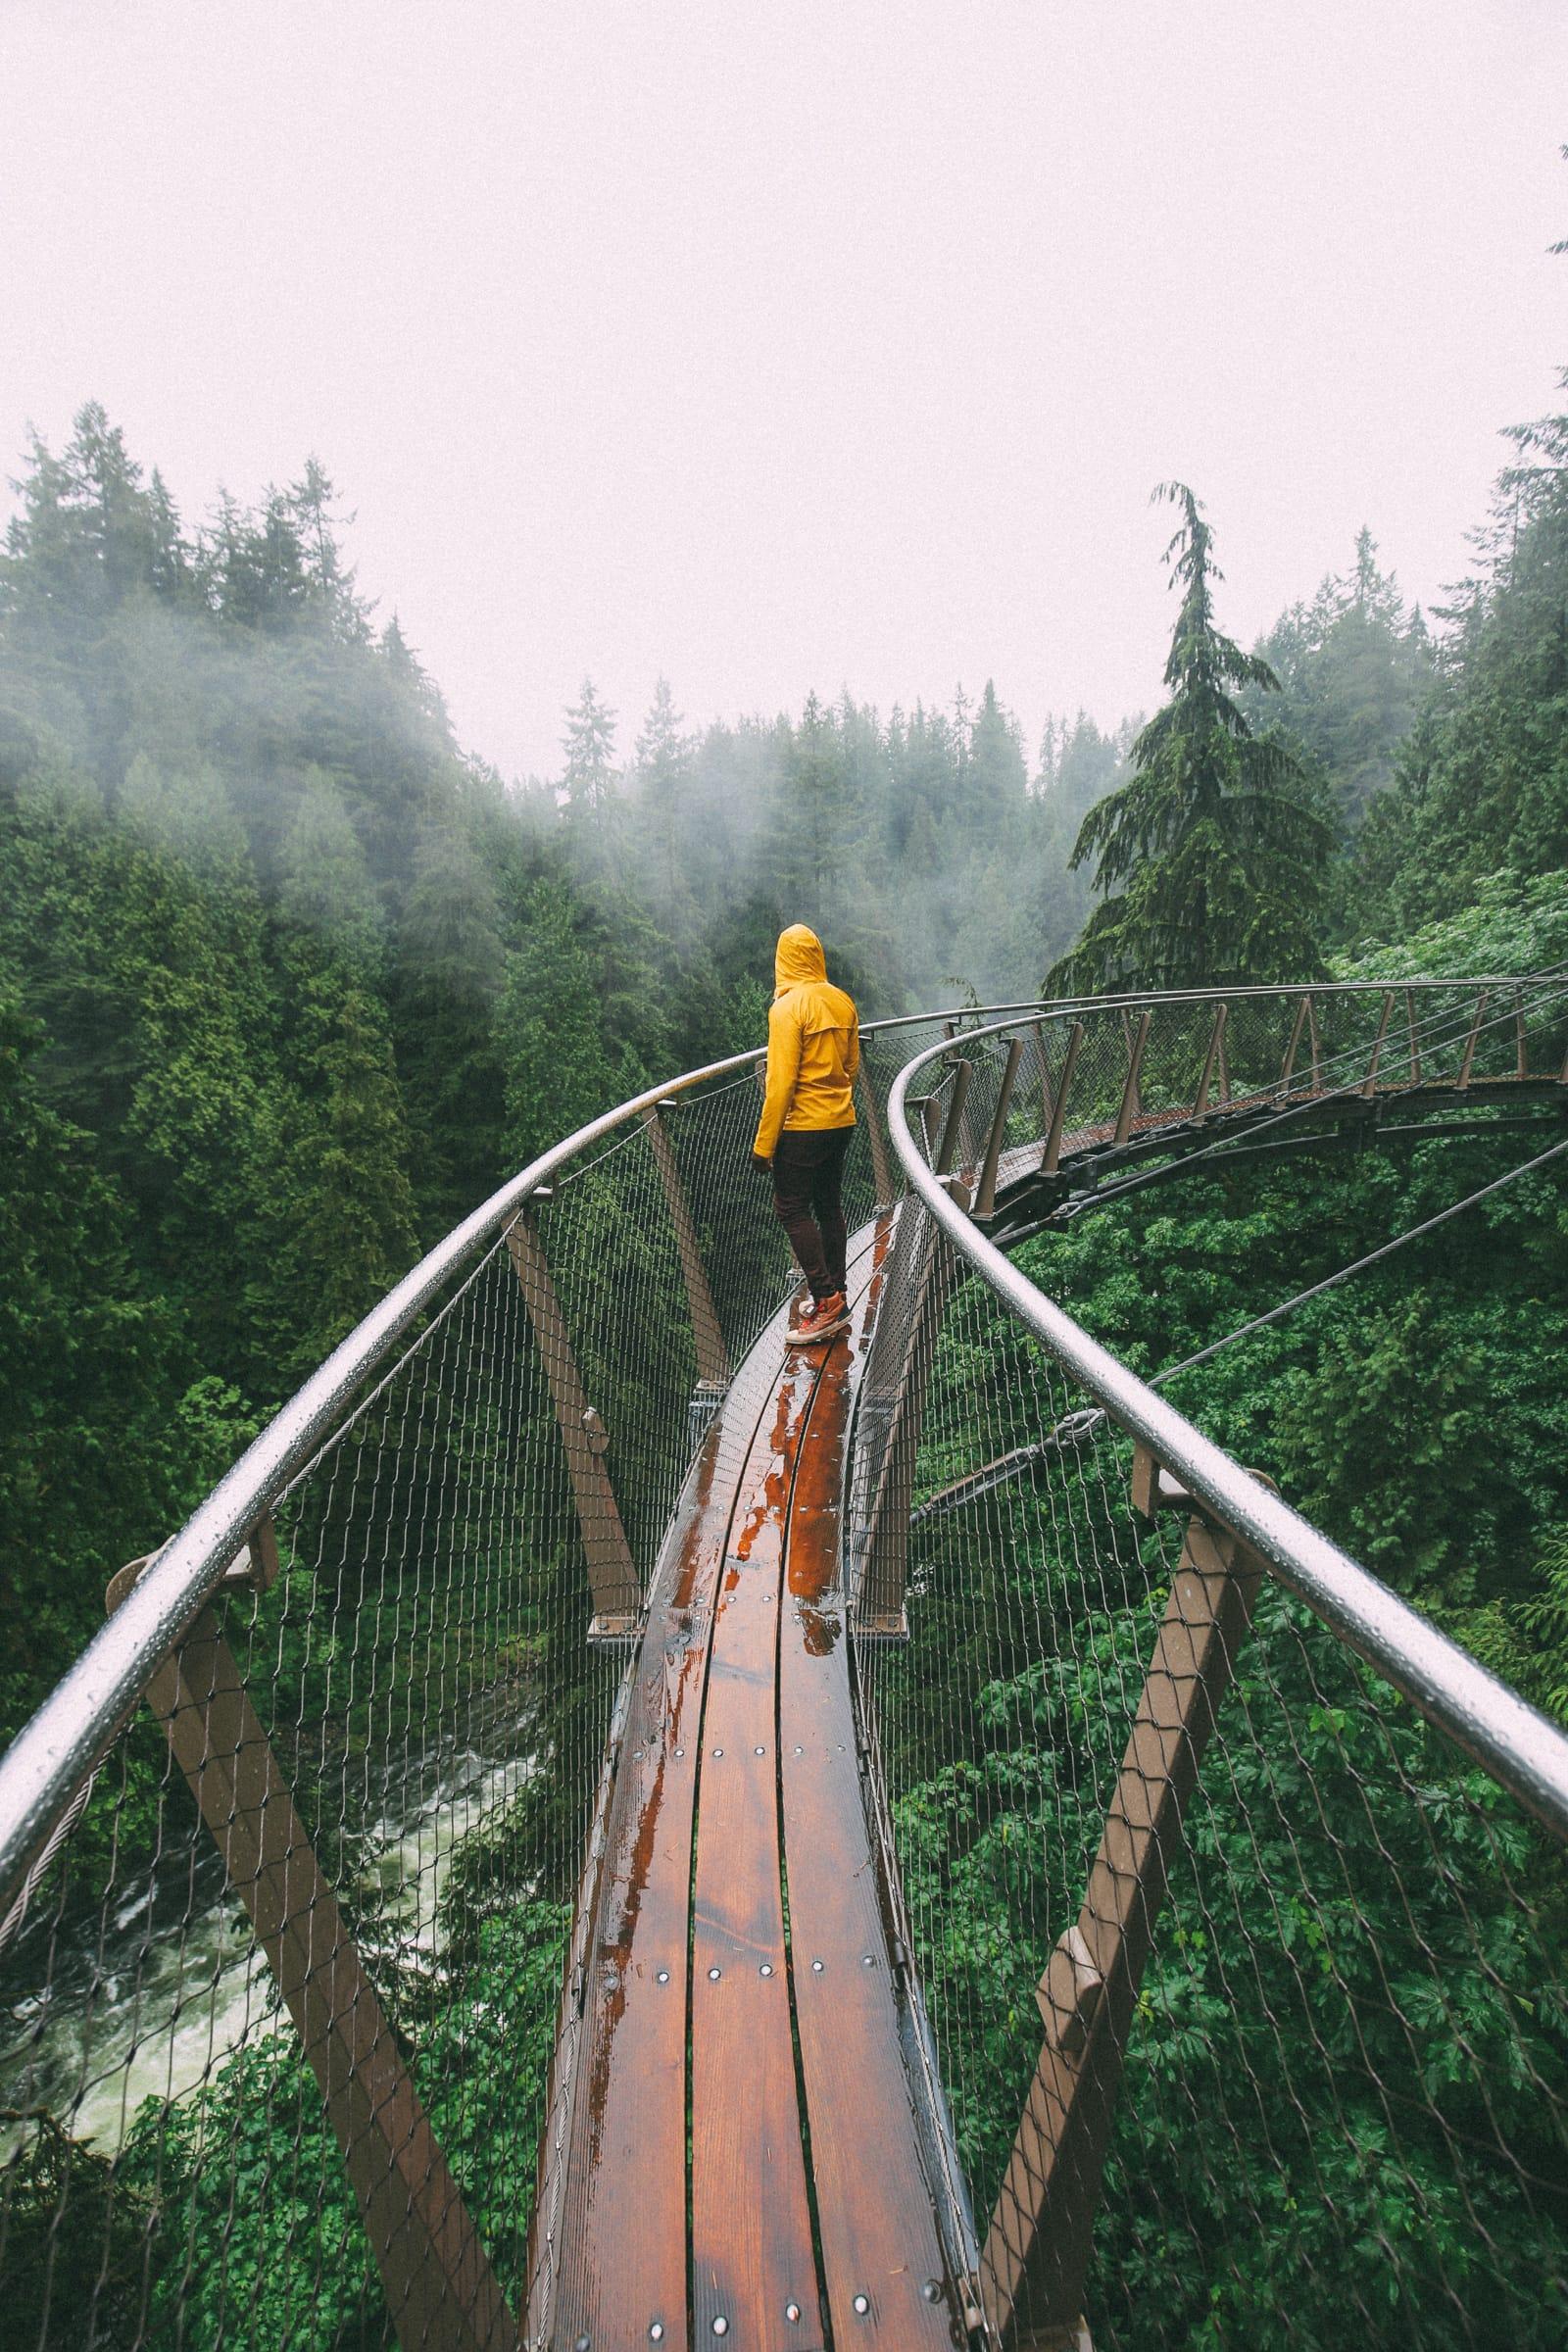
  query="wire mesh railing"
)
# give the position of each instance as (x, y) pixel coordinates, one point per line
(288, 1865)
(1243, 1960)
(282, 1955)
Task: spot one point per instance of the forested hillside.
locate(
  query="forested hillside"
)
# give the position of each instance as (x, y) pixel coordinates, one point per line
(288, 981)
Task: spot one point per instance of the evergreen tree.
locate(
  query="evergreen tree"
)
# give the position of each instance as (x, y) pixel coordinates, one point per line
(1212, 862)
(1352, 669)
(446, 982)
(589, 744)
(664, 778)
(87, 1366)
(997, 779)
(558, 1073)
(308, 503)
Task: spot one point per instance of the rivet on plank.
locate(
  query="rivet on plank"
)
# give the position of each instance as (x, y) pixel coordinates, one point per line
(663, 1976)
(862, 2304)
(816, 1968)
(792, 2311)
(656, 2334)
(713, 1974)
(766, 1968)
(721, 2326)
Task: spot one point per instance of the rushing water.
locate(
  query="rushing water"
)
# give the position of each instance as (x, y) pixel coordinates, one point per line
(146, 2000)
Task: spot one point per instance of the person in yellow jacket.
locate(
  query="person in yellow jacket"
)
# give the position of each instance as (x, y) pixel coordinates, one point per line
(803, 1137)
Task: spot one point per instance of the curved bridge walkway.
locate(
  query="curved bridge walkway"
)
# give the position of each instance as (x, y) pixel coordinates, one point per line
(745, 2137)
(737, 1916)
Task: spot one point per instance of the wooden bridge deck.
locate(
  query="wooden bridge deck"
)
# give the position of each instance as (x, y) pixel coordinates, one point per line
(737, 2156)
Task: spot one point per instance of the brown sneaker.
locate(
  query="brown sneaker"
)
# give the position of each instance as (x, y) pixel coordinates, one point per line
(824, 1321)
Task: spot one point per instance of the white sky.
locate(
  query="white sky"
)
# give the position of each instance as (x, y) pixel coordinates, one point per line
(791, 345)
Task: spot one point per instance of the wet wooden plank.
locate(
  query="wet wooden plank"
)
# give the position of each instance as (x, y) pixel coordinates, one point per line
(751, 2254)
(882, 2260)
(615, 2262)
(616, 2256)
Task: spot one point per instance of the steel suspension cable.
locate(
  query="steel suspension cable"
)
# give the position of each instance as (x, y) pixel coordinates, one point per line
(1358, 1265)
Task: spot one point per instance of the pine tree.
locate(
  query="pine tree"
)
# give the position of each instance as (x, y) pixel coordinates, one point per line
(663, 775)
(1352, 670)
(589, 744)
(1212, 861)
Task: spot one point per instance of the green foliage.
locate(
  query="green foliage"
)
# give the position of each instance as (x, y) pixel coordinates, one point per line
(1352, 670)
(1483, 781)
(265, 2246)
(87, 1361)
(74, 2241)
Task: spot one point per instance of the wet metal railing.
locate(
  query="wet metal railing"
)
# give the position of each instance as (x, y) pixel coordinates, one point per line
(1232, 1887)
(288, 1859)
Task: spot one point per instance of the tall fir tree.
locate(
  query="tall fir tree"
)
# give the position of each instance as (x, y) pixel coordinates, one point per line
(1210, 858)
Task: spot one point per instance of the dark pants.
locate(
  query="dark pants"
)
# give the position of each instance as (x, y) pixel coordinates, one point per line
(808, 1179)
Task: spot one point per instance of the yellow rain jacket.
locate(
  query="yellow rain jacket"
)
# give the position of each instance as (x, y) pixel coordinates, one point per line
(813, 1045)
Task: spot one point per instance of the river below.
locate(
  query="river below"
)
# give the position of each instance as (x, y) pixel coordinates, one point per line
(146, 1998)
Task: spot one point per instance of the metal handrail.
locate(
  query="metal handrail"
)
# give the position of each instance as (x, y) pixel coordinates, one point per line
(53, 1753)
(1521, 1749)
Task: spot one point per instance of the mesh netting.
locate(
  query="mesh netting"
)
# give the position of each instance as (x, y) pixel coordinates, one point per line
(1333, 2104)
(274, 2121)
(417, 1782)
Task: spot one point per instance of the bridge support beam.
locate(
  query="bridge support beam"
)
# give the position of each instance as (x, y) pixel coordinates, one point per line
(440, 2288)
(881, 1166)
(712, 1357)
(909, 1324)
(611, 1570)
(1037, 2247)
(1131, 1101)
(1057, 1112)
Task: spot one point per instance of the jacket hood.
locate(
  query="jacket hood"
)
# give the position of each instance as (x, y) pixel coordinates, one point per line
(798, 956)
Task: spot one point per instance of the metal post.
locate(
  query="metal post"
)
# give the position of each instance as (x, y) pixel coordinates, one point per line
(1521, 1043)
(1470, 1041)
(1369, 1082)
(1289, 1063)
(440, 2288)
(881, 1171)
(1129, 1094)
(713, 1359)
(1058, 1109)
(1037, 2247)
(947, 1150)
(1317, 1045)
(879, 1605)
(986, 1198)
(1415, 1047)
(611, 1570)
(1216, 1048)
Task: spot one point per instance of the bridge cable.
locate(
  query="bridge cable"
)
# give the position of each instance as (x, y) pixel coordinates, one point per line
(1360, 1265)
(1078, 1427)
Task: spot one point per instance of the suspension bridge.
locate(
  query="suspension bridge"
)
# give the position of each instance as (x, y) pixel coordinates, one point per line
(876, 1846)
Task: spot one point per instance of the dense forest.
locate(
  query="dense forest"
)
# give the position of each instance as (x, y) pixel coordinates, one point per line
(288, 982)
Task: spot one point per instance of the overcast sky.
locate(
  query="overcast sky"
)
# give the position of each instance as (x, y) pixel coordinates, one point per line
(771, 345)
